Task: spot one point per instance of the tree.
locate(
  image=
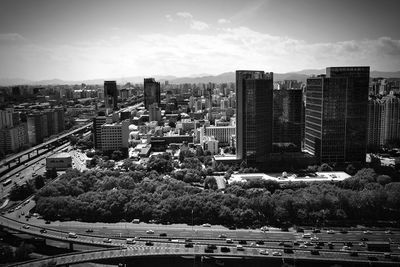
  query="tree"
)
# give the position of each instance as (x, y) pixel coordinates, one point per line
(384, 179)
(39, 181)
(210, 183)
(325, 168)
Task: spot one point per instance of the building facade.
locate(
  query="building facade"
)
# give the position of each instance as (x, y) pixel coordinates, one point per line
(111, 95)
(254, 91)
(97, 123)
(152, 92)
(115, 136)
(336, 115)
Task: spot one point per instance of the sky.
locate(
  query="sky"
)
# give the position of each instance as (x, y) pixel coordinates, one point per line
(90, 39)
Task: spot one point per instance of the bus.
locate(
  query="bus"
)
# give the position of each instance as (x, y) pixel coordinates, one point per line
(7, 182)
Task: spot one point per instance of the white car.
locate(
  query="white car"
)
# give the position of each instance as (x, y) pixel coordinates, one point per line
(330, 232)
(263, 252)
(307, 235)
(150, 232)
(314, 238)
(206, 225)
(276, 253)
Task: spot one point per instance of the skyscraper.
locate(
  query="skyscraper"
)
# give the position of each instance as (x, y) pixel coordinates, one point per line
(151, 92)
(111, 95)
(287, 124)
(254, 116)
(336, 115)
(97, 123)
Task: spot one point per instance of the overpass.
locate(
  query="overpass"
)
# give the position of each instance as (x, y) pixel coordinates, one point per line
(197, 251)
(17, 157)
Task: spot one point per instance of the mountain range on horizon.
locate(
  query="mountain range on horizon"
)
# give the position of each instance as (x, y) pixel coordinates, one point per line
(201, 78)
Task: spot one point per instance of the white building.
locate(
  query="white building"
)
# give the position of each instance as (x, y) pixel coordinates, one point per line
(223, 134)
(115, 136)
(59, 161)
(209, 143)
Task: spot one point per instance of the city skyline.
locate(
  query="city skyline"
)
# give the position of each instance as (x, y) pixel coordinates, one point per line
(92, 39)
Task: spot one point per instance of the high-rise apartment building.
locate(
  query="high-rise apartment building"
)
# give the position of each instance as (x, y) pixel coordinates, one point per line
(383, 120)
(111, 95)
(154, 112)
(336, 115)
(37, 127)
(287, 123)
(254, 116)
(151, 92)
(97, 123)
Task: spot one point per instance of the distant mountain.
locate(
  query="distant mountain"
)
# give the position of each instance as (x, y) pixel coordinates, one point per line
(221, 78)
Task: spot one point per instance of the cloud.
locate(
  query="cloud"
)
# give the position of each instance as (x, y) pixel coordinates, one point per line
(11, 37)
(185, 15)
(226, 49)
(168, 17)
(224, 21)
(198, 25)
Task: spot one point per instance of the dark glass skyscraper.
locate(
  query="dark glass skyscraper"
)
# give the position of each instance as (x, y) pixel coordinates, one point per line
(287, 124)
(336, 115)
(151, 92)
(111, 95)
(254, 116)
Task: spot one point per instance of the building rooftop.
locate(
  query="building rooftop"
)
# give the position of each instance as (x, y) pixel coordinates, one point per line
(60, 155)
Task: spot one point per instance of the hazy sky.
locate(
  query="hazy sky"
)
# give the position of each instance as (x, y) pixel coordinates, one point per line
(85, 39)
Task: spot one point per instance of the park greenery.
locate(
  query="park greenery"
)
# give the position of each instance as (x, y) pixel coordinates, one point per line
(170, 192)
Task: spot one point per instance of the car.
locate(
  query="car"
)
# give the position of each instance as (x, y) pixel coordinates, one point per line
(388, 232)
(331, 246)
(362, 244)
(89, 230)
(281, 243)
(229, 241)
(314, 238)
(149, 243)
(163, 234)
(188, 240)
(307, 235)
(107, 240)
(343, 231)
(130, 241)
(232, 228)
(225, 249)
(263, 252)
(288, 250)
(314, 252)
(188, 245)
(316, 231)
(367, 232)
(331, 232)
(372, 258)
(47, 222)
(25, 226)
(364, 239)
(296, 243)
(276, 253)
(206, 225)
(72, 235)
(242, 242)
(317, 247)
(43, 231)
(303, 246)
(264, 229)
(300, 230)
(222, 236)
(150, 232)
(206, 250)
(240, 248)
(260, 242)
(211, 246)
(353, 254)
(344, 248)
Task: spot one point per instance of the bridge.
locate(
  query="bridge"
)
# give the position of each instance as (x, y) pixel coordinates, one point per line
(17, 157)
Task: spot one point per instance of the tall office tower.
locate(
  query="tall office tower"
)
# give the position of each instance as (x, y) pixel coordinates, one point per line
(254, 116)
(97, 123)
(287, 122)
(151, 92)
(37, 128)
(376, 109)
(391, 119)
(336, 115)
(60, 117)
(111, 95)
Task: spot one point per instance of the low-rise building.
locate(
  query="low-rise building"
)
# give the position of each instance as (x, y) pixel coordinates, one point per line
(59, 161)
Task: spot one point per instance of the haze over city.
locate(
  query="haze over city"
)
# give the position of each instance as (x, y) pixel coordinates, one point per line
(87, 39)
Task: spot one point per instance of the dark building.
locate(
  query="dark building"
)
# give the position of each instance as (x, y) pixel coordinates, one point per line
(111, 95)
(287, 122)
(336, 115)
(151, 92)
(254, 116)
(97, 123)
